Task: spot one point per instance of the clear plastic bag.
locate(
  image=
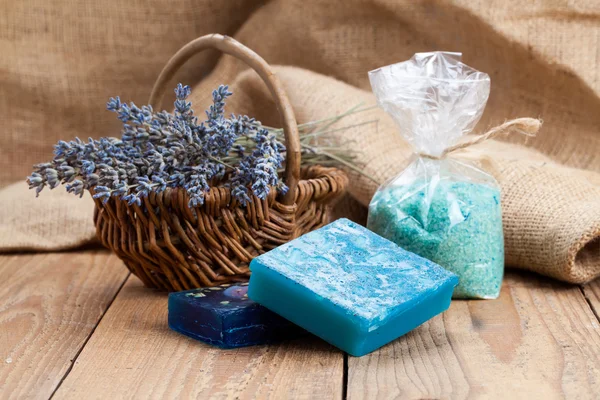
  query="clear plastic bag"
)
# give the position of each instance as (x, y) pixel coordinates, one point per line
(440, 208)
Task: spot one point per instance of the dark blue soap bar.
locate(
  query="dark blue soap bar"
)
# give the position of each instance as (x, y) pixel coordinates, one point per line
(224, 316)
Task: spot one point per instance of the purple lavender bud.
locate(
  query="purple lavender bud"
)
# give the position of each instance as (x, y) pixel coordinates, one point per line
(113, 104)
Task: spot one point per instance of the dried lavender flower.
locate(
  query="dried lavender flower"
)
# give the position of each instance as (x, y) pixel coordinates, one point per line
(159, 150)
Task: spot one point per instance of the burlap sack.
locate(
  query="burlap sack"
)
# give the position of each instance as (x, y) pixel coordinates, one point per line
(541, 61)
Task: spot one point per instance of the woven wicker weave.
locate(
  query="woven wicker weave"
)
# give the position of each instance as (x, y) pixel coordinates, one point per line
(172, 247)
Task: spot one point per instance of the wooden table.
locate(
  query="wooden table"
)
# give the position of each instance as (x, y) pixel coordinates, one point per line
(77, 325)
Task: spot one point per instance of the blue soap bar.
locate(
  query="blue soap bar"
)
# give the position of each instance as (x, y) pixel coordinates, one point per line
(351, 287)
(224, 316)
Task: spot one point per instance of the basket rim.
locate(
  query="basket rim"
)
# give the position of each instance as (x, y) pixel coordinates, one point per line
(220, 196)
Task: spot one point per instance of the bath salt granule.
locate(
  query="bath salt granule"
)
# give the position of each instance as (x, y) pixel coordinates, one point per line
(461, 229)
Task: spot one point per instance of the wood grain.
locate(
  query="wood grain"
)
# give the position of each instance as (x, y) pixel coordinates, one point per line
(133, 354)
(591, 292)
(540, 339)
(49, 305)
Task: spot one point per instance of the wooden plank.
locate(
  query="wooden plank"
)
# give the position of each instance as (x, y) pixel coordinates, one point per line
(133, 354)
(591, 291)
(540, 339)
(49, 305)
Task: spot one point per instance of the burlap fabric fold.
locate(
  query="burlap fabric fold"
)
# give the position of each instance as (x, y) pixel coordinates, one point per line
(551, 213)
(59, 75)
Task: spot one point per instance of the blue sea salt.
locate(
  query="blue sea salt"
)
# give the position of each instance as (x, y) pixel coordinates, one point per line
(457, 225)
(349, 286)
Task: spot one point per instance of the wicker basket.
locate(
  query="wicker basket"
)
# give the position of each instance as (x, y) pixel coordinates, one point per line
(172, 247)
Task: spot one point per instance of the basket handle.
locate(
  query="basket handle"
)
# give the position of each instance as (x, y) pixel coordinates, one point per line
(234, 48)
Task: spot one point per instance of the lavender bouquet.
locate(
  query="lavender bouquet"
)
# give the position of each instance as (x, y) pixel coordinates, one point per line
(159, 150)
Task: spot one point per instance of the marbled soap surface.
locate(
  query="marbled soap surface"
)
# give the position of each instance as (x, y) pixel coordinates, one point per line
(456, 224)
(366, 275)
